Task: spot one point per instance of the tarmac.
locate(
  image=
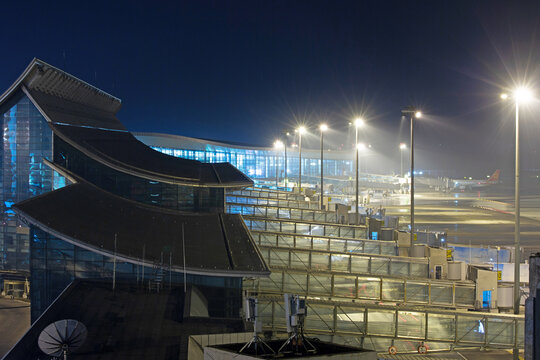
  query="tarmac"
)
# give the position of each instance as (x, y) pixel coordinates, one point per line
(14, 322)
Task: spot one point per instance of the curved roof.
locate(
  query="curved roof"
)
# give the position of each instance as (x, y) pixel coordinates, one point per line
(85, 117)
(85, 215)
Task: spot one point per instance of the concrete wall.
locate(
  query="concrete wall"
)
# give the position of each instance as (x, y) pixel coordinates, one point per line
(218, 354)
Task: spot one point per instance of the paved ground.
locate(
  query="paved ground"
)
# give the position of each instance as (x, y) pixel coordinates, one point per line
(455, 355)
(455, 214)
(14, 322)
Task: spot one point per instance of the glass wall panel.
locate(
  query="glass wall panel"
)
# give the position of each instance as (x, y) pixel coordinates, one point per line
(272, 283)
(381, 322)
(441, 327)
(58, 263)
(470, 328)
(393, 290)
(465, 295)
(340, 263)
(380, 266)
(26, 140)
(398, 267)
(360, 264)
(417, 292)
(300, 260)
(320, 262)
(345, 286)
(419, 270)
(321, 317)
(411, 324)
(295, 283)
(179, 197)
(350, 319)
(441, 294)
(369, 288)
(500, 331)
(320, 284)
(279, 258)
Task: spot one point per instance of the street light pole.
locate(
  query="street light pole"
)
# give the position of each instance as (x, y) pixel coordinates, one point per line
(411, 111)
(411, 191)
(357, 123)
(517, 221)
(323, 128)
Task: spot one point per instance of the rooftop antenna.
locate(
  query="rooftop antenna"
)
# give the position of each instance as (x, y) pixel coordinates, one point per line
(184, 254)
(114, 265)
(251, 311)
(295, 314)
(62, 338)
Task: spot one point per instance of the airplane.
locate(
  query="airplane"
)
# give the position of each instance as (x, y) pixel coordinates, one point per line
(472, 183)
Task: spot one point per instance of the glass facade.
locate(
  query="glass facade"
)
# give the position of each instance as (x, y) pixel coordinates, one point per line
(26, 140)
(184, 198)
(56, 263)
(260, 164)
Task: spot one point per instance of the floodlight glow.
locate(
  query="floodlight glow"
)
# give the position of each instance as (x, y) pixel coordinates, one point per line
(359, 122)
(418, 114)
(361, 146)
(504, 96)
(402, 146)
(323, 127)
(302, 129)
(278, 144)
(522, 95)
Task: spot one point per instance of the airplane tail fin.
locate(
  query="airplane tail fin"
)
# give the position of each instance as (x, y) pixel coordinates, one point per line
(495, 176)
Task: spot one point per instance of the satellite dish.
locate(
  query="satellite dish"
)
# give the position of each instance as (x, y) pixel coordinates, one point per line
(62, 337)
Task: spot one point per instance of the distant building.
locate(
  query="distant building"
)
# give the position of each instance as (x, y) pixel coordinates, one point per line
(255, 161)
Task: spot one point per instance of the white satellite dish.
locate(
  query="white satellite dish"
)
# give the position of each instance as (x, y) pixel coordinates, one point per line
(62, 337)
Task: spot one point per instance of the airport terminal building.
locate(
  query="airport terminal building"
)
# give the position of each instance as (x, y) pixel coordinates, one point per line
(83, 199)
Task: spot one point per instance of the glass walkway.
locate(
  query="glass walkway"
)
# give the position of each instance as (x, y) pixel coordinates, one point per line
(357, 288)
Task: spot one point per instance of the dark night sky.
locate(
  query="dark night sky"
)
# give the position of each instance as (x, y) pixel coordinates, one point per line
(244, 70)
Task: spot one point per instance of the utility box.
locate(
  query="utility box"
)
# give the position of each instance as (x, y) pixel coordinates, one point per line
(486, 286)
(438, 264)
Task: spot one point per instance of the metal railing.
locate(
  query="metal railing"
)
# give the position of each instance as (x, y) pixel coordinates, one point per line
(305, 227)
(271, 194)
(300, 241)
(456, 327)
(277, 212)
(323, 260)
(427, 292)
(249, 200)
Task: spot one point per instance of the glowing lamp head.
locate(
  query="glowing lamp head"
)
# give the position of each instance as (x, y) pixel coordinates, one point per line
(301, 130)
(523, 95)
(278, 144)
(359, 122)
(402, 146)
(360, 146)
(323, 127)
(504, 96)
(418, 114)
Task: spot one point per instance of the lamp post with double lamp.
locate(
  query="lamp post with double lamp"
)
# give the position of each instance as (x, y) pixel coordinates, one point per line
(278, 144)
(323, 128)
(520, 96)
(412, 113)
(358, 123)
(402, 147)
(300, 130)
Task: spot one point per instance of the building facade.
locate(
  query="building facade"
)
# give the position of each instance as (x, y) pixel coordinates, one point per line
(82, 198)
